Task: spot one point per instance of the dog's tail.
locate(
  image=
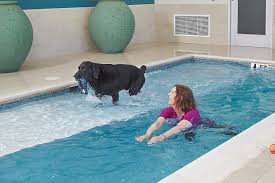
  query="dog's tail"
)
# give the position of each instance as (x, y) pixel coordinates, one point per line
(143, 68)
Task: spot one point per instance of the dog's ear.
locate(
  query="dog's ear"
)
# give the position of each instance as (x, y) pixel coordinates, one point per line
(96, 70)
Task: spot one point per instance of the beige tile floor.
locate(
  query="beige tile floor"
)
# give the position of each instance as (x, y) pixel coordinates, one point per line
(258, 170)
(38, 76)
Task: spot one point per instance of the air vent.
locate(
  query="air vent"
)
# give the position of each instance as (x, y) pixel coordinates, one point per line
(191, 25)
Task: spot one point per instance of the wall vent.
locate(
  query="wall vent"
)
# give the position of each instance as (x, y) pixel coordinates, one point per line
(192, 25)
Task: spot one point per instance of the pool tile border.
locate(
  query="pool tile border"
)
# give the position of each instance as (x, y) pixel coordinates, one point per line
(33, 98)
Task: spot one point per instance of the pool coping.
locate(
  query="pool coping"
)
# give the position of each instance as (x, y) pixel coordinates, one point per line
(234, 153)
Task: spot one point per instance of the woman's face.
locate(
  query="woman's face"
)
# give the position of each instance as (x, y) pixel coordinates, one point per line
(172, 94)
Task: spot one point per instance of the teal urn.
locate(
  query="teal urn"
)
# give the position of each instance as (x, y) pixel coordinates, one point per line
(16, 36)
(111, 25)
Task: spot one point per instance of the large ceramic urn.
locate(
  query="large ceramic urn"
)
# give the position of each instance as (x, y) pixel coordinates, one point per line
(111, 25)
(16, 36)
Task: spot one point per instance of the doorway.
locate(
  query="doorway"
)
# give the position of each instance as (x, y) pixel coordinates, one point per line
(251, 23)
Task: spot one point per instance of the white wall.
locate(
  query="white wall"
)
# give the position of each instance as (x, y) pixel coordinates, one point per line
(64, 31)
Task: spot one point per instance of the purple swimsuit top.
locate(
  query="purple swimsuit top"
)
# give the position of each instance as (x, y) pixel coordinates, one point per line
(192, 116)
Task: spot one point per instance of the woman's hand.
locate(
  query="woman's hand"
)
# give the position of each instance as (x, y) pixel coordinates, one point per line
(142, 137)
(156, 139)
(158, 123)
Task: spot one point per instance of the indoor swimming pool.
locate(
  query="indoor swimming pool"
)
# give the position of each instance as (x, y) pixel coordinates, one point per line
(69, 137)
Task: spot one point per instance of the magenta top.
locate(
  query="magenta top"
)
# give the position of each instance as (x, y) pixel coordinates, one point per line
(192, 116)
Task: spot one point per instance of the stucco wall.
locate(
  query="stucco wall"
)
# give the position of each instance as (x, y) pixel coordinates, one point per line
(64, 31)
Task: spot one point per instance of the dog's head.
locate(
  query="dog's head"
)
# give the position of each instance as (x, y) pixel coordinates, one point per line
(87, 70)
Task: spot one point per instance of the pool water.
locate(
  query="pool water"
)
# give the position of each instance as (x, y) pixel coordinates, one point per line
(84, 139)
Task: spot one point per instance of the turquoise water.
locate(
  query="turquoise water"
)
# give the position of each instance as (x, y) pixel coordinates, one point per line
(100, 141)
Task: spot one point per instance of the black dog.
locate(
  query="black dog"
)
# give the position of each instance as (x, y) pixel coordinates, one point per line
(108, 79)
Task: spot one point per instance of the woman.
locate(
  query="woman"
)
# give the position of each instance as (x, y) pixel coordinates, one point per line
(182, 109)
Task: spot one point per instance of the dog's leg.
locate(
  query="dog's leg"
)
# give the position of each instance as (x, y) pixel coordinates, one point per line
(115, 97)
(98, 95)
(136, 85)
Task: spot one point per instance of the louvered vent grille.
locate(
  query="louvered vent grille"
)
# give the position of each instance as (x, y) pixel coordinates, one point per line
(191, 25)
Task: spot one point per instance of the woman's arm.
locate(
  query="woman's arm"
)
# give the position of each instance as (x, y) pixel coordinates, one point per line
(156, 125)
(183, 124)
